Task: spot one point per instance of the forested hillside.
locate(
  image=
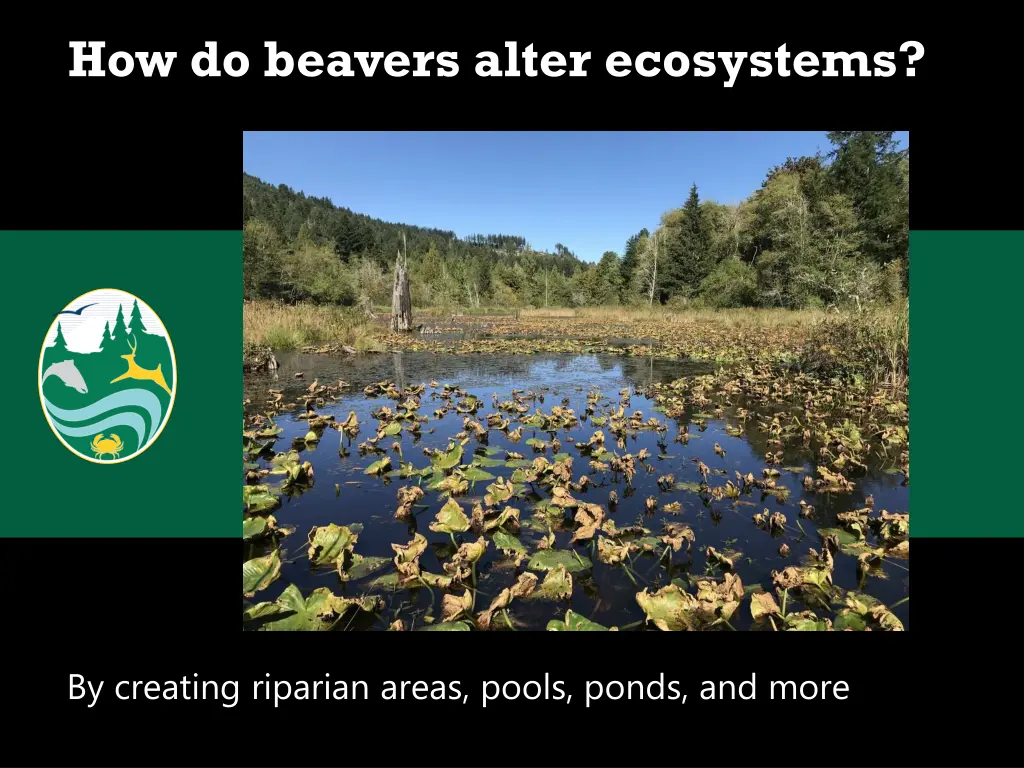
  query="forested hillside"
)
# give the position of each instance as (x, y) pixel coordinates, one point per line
(820, 231)
(298, 248)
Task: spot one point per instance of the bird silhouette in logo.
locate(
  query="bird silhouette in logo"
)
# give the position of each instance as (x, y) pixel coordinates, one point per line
(75, 311)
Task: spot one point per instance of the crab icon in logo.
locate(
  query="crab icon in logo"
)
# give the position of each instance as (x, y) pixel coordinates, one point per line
(107, 376)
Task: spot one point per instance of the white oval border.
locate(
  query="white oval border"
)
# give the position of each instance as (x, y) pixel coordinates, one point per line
(174, 393)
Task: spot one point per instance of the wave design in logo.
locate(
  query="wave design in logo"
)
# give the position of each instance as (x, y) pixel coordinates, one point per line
(99, 416)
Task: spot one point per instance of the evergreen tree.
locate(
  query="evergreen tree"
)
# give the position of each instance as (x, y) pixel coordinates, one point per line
(120, 332)
(629, 262)
(689, 254)
(810, 170)
(260, 249)
(867, 167)
(609, 271)
(59, 344)
(829, 229)
(137, 326)
(107, 341)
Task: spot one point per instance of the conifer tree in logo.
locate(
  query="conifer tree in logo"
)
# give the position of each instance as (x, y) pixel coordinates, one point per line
(108, 341)
(60, 346)
(137, 327)
(119, 330)
(107, 387)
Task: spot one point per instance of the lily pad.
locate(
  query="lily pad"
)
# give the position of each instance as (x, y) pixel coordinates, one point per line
(549, 559)
(321, 611)
(448, 459)
(557, 585)
(260, 572)
(447, 626)
(450, 519)
(575, 622)
(259, 499)
(254, 527)
(475, 474)
(508, 542)
(328, 543)
(668, 608)
(361, 566)
(486, 461)
(378, 467)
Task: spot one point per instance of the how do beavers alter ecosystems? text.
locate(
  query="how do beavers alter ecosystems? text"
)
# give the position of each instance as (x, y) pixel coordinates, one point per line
(515, 60)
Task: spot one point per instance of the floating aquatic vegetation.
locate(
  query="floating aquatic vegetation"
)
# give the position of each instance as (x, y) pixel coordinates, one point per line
(557, 585)
(295, 472)
(589, 517)
(488, 520)
(672, 608)
(499, 492)
(719, 558)
(465, 559)
(451, 519)
(359, 566)
(259, 527)
(449, 626)
(574, 622)
(865, 612)
(745, 438)
(454, 607)
(522, 588)
(548, 559)
(763, 604)
(676, 534)
(407, 498)
(351, 425)
(321, 611)
(509, 544)
(329, 544)
(447, 459)
(260, 572)
(811, 583)
(611, 552)
(257, 499)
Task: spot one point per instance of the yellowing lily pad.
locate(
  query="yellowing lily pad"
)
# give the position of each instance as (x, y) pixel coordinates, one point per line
(451, 519)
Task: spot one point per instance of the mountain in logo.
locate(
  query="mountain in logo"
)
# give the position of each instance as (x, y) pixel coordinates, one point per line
(106, 381)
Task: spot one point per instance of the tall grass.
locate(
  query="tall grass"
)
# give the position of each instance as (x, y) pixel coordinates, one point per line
(747, 317)
(873, 344)
(282, 326)
(435, 312)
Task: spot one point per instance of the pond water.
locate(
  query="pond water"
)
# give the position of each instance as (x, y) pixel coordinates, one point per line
(606, 594)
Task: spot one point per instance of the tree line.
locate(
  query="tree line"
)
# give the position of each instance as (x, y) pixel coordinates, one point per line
(825, 230)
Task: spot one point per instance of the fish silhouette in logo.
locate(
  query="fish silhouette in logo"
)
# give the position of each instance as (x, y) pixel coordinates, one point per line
(69, 374)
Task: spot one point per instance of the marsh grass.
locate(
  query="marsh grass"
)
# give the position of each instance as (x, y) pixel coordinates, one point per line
(873, 344)
(747, 317)
(282, 326)
(436, 312)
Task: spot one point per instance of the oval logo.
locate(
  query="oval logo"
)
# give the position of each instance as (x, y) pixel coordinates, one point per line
(107, 376)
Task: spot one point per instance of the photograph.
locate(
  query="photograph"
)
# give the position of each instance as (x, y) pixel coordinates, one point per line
(565, 381)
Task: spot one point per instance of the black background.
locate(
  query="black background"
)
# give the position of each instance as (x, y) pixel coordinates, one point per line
(138, 153)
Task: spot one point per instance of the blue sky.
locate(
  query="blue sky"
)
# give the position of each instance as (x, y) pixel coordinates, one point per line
(587, 190)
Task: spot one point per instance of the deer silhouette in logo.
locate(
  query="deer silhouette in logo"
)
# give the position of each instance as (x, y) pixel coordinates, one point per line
(155, 375)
